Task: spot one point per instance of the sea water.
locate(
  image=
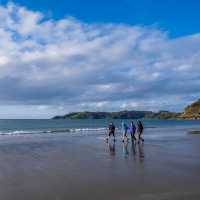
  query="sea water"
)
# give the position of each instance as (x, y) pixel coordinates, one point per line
(153, 128)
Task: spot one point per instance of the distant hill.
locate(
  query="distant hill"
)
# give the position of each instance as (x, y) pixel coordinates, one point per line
(120, 115)
(163, 115)
(103, 115)
(192, 111)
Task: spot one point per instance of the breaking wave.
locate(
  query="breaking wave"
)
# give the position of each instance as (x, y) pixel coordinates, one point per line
(52, 131)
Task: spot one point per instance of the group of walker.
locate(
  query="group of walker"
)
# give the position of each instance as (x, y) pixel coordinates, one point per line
(132, 130)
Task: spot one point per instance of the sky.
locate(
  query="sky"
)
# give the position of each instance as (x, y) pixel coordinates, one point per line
(62, 56)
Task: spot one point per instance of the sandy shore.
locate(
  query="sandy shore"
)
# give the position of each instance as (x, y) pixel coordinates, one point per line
(64, 167)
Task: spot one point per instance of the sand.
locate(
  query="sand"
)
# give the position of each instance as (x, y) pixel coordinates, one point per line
(60, 167)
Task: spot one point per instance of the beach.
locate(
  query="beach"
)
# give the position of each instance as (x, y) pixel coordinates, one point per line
(99, 100)
(62, 166)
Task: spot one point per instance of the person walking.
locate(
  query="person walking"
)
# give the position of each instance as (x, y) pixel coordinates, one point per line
(132, 130)
(111, 130)
(124, 131)
(140, 129)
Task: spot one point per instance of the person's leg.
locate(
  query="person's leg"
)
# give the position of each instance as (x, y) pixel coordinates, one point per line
(108, 136)
(127, 138)
(126, 135)
(134, 138)
(113, 133)
(123, 137)
(140, 138)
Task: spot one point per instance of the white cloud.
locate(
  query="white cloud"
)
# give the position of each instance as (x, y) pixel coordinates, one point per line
(92, 66)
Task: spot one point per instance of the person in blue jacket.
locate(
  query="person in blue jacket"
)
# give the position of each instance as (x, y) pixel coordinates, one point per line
(124, 131)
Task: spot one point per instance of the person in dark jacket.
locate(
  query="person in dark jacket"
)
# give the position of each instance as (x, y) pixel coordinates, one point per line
(111, 130)
(140, 129)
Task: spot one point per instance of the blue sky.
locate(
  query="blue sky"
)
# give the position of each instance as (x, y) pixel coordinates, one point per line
(178, 17)
(64, 56)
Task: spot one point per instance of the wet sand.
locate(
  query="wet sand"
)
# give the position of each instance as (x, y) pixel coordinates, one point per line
(60, 167)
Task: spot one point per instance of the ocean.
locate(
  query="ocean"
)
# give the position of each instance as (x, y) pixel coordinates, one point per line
(153, 128)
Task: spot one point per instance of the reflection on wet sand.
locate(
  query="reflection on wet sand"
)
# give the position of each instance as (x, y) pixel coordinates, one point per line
(129, 149)
(133, 148)
(112, 148)
(137, 150)
(125, 149)
(141, 151)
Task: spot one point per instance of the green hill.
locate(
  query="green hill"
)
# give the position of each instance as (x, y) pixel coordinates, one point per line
(120, 115)
(103, 115)
(192, 111)
(163, 115)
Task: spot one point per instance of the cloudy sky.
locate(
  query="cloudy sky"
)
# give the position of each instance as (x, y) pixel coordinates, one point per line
(55, 62)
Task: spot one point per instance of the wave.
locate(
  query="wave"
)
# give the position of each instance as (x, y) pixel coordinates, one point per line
(82, 131)
(87, 129)
(52, 131)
